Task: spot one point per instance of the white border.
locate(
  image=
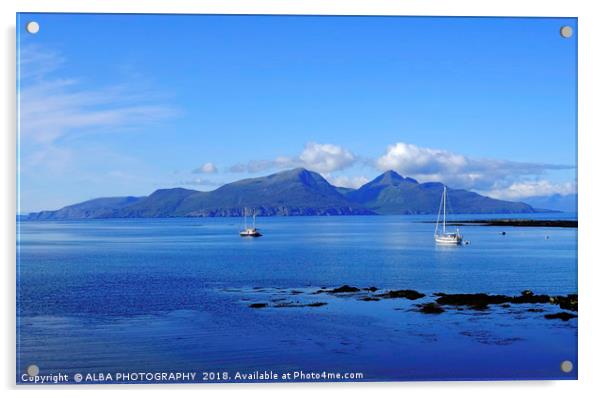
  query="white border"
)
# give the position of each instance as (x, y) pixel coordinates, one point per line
(590, 155)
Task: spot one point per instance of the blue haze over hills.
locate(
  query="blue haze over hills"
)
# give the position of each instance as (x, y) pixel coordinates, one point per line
(296, 192)
(556, 202)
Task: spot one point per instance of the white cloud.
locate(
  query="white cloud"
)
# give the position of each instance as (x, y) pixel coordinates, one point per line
(429, 164)
(50, 110)
(257, 166)
(411, 159)
(35, 62)
(206, 168)
(323, 158)
(347, 182)
(54, 110)
(527, 189)
(49, 158)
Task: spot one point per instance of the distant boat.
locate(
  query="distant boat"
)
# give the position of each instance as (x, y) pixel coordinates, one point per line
(443, 237)
(248, 231)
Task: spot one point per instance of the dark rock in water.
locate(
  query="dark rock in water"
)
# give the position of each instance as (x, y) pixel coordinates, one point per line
(318, 304)
(287, 305)
(472, 300)
(430, 308)
(480, 300)
(569, 302)
(408, 294)
(527, 297)
(344, 289)
(299, 305)
(258, 305)
(565, 316)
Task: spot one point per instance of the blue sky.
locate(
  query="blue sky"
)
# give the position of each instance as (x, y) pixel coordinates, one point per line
(122, 105)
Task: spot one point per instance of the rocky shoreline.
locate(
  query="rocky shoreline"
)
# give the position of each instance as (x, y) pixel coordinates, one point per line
(441, 303)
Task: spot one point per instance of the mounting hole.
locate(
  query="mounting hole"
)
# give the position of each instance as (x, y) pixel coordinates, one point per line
(33, 370)
(566, 31)
(566, 366)
(32, 27)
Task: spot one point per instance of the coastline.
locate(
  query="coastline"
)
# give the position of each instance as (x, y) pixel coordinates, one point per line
(514, 223)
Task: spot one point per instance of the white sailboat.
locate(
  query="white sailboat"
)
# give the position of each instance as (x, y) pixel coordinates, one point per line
(443, 237)
(250, 231)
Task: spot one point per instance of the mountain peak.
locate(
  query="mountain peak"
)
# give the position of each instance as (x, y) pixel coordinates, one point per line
(392, 174)
(391, 177)
(168, 191)
(298, 173)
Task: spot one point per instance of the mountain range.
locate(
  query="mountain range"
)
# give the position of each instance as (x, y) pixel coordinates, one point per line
(297, 192)
(556, 202)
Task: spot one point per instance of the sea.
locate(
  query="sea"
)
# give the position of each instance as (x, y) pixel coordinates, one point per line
(149, 297)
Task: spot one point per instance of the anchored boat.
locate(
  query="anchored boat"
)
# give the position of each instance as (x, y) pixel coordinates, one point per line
(250, 231)
(442, 236)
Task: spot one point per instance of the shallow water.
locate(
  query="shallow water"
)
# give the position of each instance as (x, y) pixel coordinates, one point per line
(174, 294)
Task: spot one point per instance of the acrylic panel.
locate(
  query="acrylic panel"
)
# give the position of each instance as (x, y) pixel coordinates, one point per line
(256, 198)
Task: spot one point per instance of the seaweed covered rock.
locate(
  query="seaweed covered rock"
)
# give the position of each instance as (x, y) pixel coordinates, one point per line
(258, 305)
(430, 308)
(569, 302)
(479, 300)
(482, 300)
(345, 289)
(528, 297)
(407, 294)
(299, 305)
(565, 316)
(318, 304)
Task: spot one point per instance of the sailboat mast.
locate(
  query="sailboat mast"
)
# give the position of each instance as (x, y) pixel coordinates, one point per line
(444, 204)
(253, 219)
(245, 212)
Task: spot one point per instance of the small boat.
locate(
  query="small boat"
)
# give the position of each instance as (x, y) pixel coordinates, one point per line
(251, 232)
(443, 237)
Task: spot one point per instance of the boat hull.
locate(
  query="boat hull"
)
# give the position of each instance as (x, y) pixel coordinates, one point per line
(250, 234)
(448, 240)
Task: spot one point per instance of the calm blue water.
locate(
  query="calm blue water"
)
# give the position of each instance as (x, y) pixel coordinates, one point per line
(173, 295)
